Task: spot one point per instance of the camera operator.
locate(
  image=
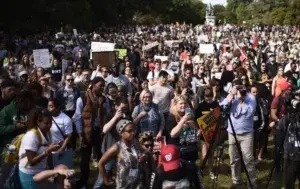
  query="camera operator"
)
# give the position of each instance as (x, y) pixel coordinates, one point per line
(243, 106)
(278, 109)
(290, 128)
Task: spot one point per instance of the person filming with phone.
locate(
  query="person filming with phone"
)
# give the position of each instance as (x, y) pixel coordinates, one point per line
(183, 130)
(242, 108)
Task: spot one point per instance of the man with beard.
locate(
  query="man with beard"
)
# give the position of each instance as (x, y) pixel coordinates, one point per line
(13, 121)
(93, 119)
(8, 92)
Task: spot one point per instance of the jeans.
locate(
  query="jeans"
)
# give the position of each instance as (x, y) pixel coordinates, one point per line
(108, 168)
(27, 181)
(246, 143)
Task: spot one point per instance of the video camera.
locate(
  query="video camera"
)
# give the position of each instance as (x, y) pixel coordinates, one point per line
(292, 101)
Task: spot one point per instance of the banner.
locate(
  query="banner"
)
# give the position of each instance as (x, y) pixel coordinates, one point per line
(208, 124)
(162, 58)
(150, 46)
(122, 53)
(41, 58)
(102, 47)
(172, 43)
(206, 48)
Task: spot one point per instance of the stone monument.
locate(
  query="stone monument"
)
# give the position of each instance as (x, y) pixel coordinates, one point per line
(210, 18)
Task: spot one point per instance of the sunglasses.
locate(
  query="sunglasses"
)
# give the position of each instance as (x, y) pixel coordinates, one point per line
(147, 97)
(148, 145)
(69, 80)
(263, 65)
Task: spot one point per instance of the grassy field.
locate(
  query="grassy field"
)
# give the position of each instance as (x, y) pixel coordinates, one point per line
(224, 178)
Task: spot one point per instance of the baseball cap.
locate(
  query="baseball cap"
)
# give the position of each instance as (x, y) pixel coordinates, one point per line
(170, 157)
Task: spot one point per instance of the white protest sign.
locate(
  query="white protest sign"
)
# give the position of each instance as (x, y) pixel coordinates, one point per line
(206, 48)
(172, 43)
(202, 38)
(75, 32)
(102, 47)
(219, 34)
(41, 58)
(174, 66)
(162, 58)
(218, 75)
(150, 46)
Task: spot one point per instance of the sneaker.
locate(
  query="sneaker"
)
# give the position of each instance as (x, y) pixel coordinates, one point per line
(212, 176)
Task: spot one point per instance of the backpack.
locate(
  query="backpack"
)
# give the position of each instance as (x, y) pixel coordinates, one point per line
(13, 157)
(13, 180)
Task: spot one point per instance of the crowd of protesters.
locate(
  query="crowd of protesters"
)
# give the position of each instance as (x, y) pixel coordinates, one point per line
(111, 116)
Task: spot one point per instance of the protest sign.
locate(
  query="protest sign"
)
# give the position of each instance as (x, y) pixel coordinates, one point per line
(41, 58)
(102, 47)
(206, 48)
(75, 32)
(202, 38)
(174, 66)
(104, 59)
(150, 46)
(162, 58)
(208, 124)
(158, 144)
(122, 53)
(59, 35)
(218, 75)
(172, 43)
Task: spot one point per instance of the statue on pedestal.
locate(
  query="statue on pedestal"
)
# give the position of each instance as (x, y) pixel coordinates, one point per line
(209, 10)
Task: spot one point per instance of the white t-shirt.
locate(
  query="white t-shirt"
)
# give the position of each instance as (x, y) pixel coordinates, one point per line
(30, 142)
(153, 76)
(162, 96)
(65, 124)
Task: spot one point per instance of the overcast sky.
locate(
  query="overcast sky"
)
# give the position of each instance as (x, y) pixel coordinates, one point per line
(223, 2)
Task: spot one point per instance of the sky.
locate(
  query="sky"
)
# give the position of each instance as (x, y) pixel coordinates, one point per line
(223, 2)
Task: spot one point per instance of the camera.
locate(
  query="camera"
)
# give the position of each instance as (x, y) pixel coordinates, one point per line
(291, 101)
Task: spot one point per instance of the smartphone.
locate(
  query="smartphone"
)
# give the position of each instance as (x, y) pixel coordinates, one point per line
(188, 111)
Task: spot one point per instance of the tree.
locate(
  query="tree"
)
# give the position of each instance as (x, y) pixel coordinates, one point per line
(220, 13)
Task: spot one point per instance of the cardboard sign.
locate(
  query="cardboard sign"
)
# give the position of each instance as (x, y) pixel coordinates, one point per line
(150, 46)
(121, 53)
(102, 47)
(75, 32)
(162, 58)
(41, 58)
(208, 124)
(104, 59)
(172, 43)
(206, 48)
(158, 144)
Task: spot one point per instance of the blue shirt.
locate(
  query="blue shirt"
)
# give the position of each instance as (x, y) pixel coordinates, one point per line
(242, 116)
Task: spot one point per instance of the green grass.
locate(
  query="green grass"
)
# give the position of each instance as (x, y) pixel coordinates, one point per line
(224, 178)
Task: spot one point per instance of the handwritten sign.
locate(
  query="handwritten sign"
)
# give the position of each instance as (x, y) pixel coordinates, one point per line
(161, 58)
(202, 38)
(172, 43)
(41, 58)
(102, 47)
(75, 32)
(104, 59)
(206, 48)
(150, 46)
(208, 124)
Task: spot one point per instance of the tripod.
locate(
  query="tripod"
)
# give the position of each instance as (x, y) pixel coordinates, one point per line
(225, 116)
(293, 119)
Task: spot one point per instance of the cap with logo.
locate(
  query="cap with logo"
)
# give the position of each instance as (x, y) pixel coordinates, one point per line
(170, 157)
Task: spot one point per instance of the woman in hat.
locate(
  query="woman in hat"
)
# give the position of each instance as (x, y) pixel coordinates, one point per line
(128, 156)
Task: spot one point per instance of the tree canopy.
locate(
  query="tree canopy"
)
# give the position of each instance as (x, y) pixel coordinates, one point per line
(271, 12)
